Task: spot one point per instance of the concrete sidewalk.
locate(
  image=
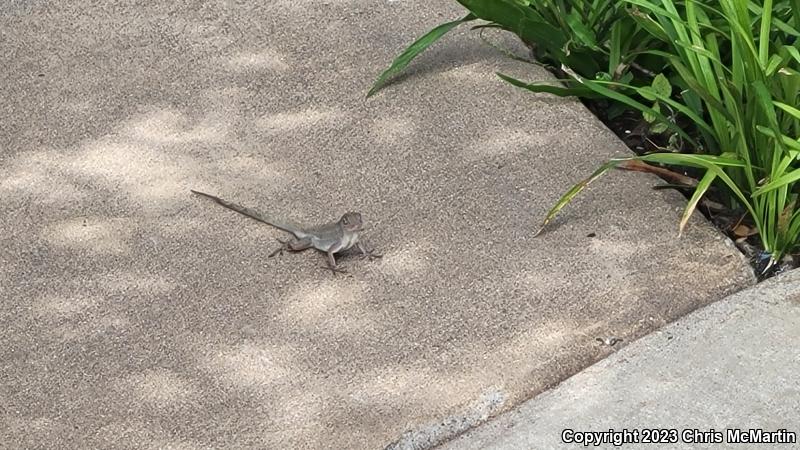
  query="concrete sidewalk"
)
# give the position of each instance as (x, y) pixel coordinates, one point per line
(733, 365)
(133, 314)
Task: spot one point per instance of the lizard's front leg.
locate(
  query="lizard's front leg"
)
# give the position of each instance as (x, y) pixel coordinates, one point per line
(332, 263)
(367, 253)
(292, 245)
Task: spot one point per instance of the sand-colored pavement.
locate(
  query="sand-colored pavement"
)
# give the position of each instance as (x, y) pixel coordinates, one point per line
(135, 315)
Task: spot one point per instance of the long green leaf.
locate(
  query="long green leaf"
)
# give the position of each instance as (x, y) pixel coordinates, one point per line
(581, 31)
(784, 180)
(699, 90)
(615, 44)
(652, 27)
(700, 161)
(415, 49)
(710, 162)
(788, 108)
(575, 190)
(793, 51)
(792, 148)
(763, 35)
(764, 100)
(659, 11)
(699, 191)
(779, 24)
(581, 92)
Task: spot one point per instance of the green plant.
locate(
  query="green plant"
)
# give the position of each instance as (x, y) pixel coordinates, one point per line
(591, 37)
(736, 72)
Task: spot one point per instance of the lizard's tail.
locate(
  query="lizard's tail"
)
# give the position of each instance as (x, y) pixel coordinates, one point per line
(251, 213)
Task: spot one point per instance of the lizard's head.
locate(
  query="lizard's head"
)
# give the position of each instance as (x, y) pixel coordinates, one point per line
(352, 222)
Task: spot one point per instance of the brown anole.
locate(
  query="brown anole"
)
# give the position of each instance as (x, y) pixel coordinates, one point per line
(330, 238)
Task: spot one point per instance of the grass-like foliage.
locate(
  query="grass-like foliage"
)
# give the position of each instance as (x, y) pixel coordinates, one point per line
(727, 71)
(592, 38)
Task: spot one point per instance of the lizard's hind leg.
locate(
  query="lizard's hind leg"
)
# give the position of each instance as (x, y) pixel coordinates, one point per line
(292, 245)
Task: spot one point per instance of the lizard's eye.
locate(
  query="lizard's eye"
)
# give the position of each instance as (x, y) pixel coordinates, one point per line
(344, 220)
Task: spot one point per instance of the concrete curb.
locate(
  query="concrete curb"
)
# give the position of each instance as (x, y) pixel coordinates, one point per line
(732, 365)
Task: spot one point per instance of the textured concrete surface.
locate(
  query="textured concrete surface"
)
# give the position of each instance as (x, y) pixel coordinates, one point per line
(732, 365)
(136, 315)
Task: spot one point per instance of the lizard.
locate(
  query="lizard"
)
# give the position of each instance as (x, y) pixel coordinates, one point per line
(330, 238)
